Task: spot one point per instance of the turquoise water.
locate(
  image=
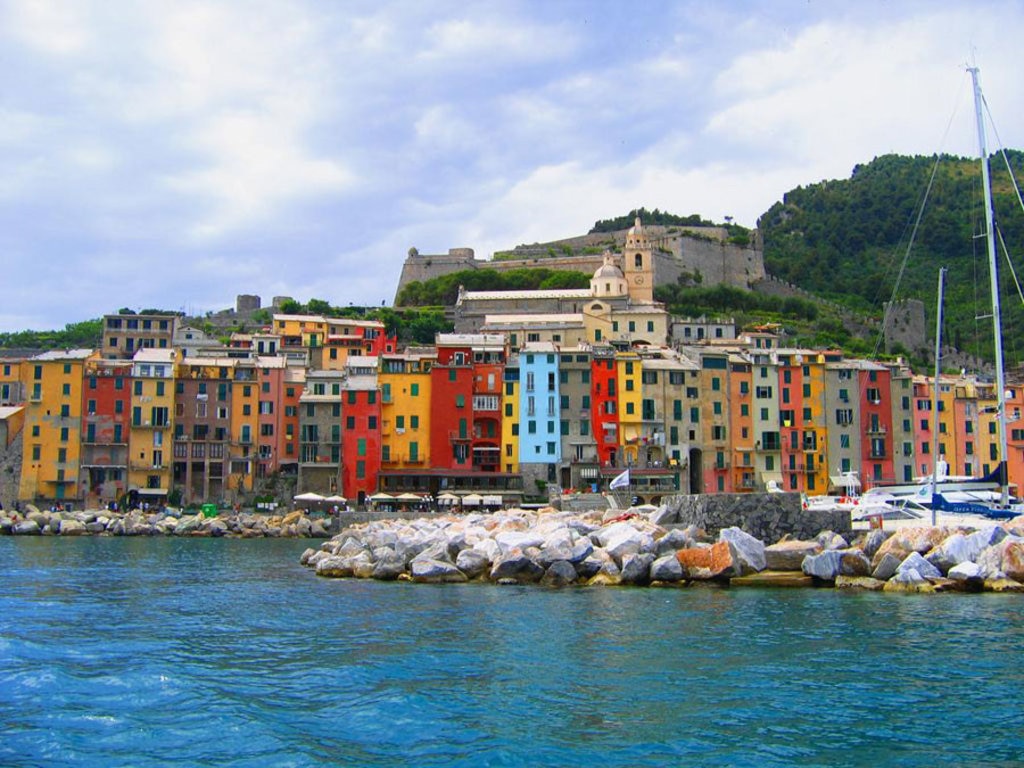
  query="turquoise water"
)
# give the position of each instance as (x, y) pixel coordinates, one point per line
(150, 652)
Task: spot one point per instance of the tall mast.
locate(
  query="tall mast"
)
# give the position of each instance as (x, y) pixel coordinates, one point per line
(994, 278)
(935, 398)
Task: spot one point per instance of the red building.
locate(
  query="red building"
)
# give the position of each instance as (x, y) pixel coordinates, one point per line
(875, 387)
(798, 442)
(360, 429)
(465, 404)
(604, 407)
(106, 418)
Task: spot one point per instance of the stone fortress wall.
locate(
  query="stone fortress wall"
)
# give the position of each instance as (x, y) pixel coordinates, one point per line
(702, 251)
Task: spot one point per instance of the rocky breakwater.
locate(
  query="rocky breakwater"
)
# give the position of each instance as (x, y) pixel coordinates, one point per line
(555, 548)
(35, 522)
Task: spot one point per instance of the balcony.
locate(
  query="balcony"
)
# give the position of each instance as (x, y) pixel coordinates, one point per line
(454, 436)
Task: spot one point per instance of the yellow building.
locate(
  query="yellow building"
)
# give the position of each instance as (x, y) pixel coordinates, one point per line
(12, 381)
(51, 453)
(405, 386)
(245, 408)
(150, 444)
(630, 394)
(510, 418)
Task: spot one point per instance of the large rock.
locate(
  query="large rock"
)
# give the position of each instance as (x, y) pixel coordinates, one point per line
(607, 533)
(516, 565)
(1007, 557)
(672, 542)
(388, 567)
(472, 562)
(865, 583)
(560, 573)
(72, 528)
(26, 528)
(886, 567)
(968, 576)
(954, 549)
(836, 562)
(608, 576)
(636, 569)
(832, 540)
(589, 567)
(914, 562)
(664, 516)
(626, 540)
(707, 562)
(1000, 583)
(873, 540)
(747, 552)
(789, 555)
(909, 580)
(185, 527)
(510, 540)
(427, 571)
(334, 566)
(907, 540)
(666, 568)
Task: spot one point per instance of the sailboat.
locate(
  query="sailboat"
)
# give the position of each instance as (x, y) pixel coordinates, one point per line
(939, 502)
(988, 495)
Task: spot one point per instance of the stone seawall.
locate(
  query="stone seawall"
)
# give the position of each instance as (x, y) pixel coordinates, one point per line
(766, 516)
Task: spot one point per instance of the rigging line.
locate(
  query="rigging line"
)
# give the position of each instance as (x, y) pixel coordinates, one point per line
(1013, 272)
(906, 256)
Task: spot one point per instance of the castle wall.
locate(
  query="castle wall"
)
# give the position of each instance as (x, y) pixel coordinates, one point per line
(707, 253)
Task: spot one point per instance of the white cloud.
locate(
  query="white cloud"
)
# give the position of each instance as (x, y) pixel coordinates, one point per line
(487, 40)
(301, 148)
(49, 26)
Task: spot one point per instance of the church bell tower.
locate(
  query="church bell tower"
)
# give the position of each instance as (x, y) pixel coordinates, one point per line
(637, 265)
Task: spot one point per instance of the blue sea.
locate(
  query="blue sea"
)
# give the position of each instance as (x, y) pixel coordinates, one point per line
(155, 652)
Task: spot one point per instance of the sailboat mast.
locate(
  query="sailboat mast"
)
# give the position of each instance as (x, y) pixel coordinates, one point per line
(994, 279)
(935, 398)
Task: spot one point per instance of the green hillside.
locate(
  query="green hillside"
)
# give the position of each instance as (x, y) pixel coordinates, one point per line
(845, 240)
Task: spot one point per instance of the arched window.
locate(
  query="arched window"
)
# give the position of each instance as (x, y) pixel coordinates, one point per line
(639, 260)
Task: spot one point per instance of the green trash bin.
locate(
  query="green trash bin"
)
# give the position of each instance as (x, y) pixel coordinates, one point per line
(209, 510)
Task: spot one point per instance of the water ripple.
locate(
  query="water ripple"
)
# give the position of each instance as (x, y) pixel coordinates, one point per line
(156, 652)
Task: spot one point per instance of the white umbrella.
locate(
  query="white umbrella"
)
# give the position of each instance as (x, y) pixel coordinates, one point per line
(382, 497)
(492, 501)
(472, 500)
(447, 498)
(336, 499)
(408, 497)
(309, 496)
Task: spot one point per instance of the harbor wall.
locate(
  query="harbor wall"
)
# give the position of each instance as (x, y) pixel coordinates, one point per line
(766, 516)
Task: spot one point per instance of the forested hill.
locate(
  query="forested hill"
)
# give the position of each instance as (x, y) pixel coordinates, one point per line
(846, 239)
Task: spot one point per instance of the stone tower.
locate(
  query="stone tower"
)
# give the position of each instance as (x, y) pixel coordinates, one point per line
(638, 265)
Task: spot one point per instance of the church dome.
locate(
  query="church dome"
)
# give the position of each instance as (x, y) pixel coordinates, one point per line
(608, 270)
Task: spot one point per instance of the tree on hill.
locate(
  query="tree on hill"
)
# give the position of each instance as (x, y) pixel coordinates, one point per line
(846, 239)
(649, 217)
(86, 334)
(443, 291)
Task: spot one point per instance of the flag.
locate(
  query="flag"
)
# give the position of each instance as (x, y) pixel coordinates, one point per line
(622, 481)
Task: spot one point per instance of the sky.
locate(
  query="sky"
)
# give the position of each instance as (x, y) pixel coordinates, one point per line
(173, 155)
